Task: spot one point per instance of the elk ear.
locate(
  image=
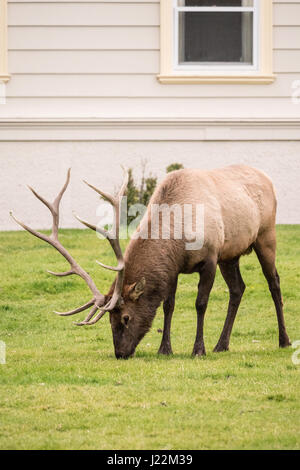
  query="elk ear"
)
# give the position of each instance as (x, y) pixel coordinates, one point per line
(137, 289)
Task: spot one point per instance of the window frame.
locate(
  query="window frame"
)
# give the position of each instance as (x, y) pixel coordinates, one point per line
(208, 67)
(4, 76)
(260, 72)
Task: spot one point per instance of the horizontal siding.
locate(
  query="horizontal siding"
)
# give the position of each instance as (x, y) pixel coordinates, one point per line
(287, 37)
(98, 1)
(124, 62)
(287, 61)
(135, 85)
(112, 14)
(76, 38)
(116, 1)
(112, 38)
(84, 62)
(63, 53)
(84, 14)
(287, 14)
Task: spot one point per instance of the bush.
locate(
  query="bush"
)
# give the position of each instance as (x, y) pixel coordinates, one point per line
(142, 194)
(174, 166)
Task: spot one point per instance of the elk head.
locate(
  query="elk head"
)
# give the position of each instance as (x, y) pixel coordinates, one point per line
(128, 322)
(122, 302)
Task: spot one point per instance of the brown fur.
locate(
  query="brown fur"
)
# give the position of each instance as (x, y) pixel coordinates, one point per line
(240, 211)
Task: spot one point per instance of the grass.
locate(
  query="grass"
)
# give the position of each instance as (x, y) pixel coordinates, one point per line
(62, 388)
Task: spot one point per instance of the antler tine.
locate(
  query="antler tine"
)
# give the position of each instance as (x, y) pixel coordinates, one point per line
(98, 298)
(66, 273)
(106, 308)
(108, 197)
(105, 196)
(115, 244)
(43, 200)
(88, 321)
(91, 226)
(95, 320)
(54, 207)
(107, 235)
(124, 184)
(62, 191)
(76, 310)
(111, 268)
(37, 234)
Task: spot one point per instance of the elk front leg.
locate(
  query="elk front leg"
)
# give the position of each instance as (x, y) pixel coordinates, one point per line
(168, 306)
(231, 273)
(207, 276)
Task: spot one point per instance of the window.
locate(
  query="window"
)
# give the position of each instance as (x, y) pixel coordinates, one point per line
(216, 41)
(214, 32)
(4, 77)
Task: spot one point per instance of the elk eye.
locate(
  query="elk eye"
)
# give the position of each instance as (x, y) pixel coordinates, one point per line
(125, 319)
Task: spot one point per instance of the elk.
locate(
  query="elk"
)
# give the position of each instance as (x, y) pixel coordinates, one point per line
(239, 215)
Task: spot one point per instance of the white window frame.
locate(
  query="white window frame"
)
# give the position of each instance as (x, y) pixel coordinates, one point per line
(200, 67)
(4, 76)
(260, 72)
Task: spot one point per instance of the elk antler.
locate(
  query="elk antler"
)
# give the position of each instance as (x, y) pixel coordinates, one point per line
(114, 241)
(98, 299)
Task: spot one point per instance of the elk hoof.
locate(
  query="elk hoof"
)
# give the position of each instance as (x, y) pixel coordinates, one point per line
(165, 349)
(221, 348)
(199, 351)
(284, 343)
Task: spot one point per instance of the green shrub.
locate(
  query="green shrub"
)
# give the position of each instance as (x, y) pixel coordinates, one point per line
(142, 194)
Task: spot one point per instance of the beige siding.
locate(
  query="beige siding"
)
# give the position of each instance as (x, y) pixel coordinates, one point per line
(137, 85)
(286, 14)
(83, 14)
(119, 62)
(100, 59)
(92, 38)
(113, 37)
(75, 61)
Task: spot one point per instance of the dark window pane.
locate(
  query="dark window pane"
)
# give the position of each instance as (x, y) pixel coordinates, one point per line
(215, 3)
(216, 37)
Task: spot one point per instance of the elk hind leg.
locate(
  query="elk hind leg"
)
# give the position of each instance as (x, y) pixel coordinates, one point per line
(265, 248)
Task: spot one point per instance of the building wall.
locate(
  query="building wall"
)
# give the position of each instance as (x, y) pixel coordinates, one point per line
(100, 59)
(84, 93)
(43, 165)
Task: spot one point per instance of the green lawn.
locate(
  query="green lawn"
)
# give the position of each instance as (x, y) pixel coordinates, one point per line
(62, 388)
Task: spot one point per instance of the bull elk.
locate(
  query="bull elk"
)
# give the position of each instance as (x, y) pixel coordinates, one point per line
(239, 215)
